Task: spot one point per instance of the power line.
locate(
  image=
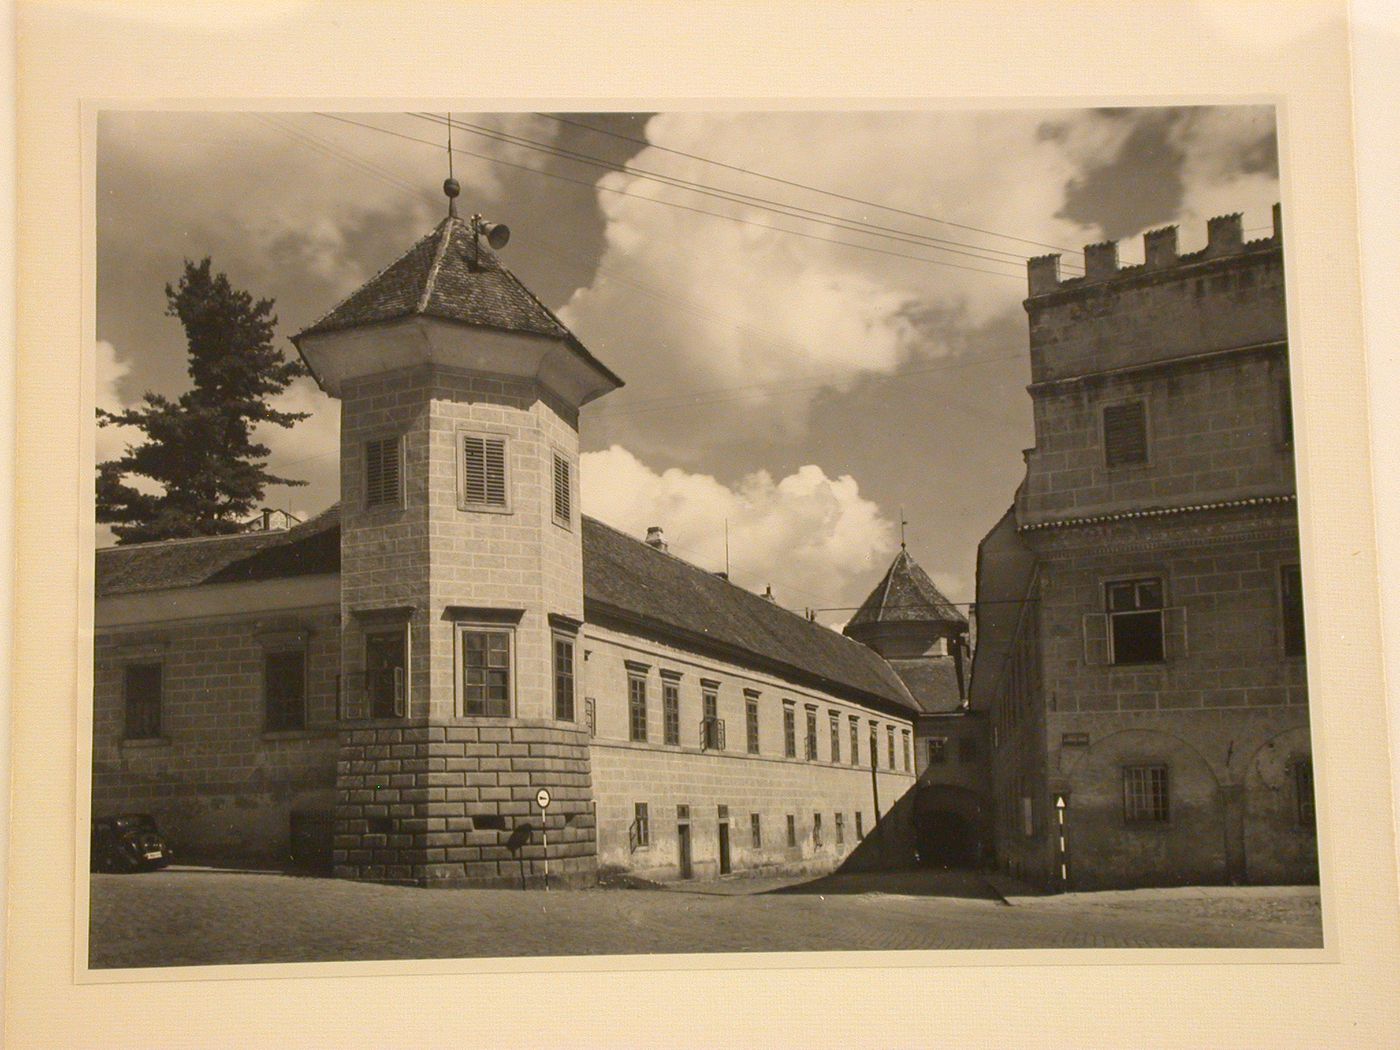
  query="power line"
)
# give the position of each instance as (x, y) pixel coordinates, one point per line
(734, 196)
(802, 185)
(593, 186)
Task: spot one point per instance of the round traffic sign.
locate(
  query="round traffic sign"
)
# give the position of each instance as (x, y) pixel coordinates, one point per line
(542, 798)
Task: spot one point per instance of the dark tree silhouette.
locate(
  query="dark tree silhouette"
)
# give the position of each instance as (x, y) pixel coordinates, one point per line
(199, 448)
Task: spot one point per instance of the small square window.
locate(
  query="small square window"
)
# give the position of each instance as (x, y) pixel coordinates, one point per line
(486, 672)
(383, 472)
(1145, 795)
(141, 692)
(284, 690)
(1125, 434)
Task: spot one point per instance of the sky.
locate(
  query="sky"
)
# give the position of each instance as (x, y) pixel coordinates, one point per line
(818, 315)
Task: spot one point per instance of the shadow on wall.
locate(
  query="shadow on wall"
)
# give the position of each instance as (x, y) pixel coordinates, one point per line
(889, 845)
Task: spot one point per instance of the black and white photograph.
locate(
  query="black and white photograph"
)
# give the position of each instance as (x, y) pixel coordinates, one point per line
(695, 531)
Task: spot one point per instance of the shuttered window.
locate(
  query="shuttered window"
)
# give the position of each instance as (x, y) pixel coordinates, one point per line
(484, 471)
(1125, 434)
(382, 476)
(563, 491)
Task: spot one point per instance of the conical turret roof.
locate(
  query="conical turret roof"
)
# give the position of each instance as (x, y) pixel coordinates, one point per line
(906, 595)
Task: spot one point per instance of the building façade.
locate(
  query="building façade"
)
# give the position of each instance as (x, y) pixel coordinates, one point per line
(1140, 655)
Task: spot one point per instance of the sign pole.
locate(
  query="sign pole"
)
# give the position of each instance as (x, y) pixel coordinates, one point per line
(542, 800)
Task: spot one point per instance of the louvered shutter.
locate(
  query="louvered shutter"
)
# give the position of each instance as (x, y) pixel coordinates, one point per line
(381, 472)
(563, 490)
(1124, 434)
(484, 470)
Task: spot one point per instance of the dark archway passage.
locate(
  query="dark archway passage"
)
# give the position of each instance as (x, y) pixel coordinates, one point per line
(948, 827)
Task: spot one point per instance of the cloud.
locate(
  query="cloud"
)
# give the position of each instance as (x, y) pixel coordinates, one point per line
(806, 534)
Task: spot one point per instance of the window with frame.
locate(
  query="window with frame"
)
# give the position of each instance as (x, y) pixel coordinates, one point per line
(563, 491)
(563, 678)
(1125, 434)
(670, 710)
(835, 721)
(484, 480)
(641, 825)
(711, 738)
(1136, 621)
(485, 672)
(141, 692)
(384, 472)
(811, 741)
(386, 663)
(840, 829)
(284, 690)
(860, 826)
(637, 707)
(789, 731)
(1291, 597)
(1145, 799)
(855, 741)
(816, 831)
(751, 723)
(908, 756)
(1305, 806)
(756, 830)
(874, 745)
(791, 831)
(889, 734)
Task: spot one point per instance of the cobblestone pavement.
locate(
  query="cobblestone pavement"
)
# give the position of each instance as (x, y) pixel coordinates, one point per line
(195, 916)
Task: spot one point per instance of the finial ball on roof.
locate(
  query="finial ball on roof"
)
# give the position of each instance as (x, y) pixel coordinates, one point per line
(452, 188)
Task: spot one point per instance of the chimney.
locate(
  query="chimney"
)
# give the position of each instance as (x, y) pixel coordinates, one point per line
(656, 538)
(1224, 235)
(1159, 246)
(1043, 274)
(768, 593)
(1278, 222)
(1100, 260)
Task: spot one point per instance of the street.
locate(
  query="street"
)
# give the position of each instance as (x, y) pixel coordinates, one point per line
(200, 916)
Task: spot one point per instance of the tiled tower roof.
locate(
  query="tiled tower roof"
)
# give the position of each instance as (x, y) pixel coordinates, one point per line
(906, 595)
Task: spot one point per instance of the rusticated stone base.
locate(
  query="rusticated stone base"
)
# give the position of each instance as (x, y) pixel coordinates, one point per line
(447, 805)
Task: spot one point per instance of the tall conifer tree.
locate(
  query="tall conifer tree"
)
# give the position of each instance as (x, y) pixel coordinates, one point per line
(199, 448)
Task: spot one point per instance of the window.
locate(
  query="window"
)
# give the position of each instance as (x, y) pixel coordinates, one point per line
(385, 663)
(1135, 621)
(563, 679)
(383, 481)
(711, 729)
(840, 829)
(1305, 806)
(816, 831)
(483, 478)
(670, 711)
(811, 735)
(284, 690)
(789, 730)
(1124, 434)
(563, 491)
(889, 733)
(967, 749)
(637, 707)
(792, 831)
(141, 688)
(1291, 592)
(756, 830)
(590, 712)
(907, 751)
(751, 722)
(486, 672)
(1145, 794)
(641, 826)
(874, 746)
(860, 825)
(835, 737)
(855, 741)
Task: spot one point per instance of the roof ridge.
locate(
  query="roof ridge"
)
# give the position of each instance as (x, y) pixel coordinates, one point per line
(438, 256)
(169, 540)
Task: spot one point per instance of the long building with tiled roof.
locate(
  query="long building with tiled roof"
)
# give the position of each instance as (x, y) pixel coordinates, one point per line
(386, 689)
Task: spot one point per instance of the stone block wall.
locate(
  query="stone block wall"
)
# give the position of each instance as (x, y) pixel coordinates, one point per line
(443, 805)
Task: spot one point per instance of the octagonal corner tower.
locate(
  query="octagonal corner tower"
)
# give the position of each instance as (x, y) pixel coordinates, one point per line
(461, 569)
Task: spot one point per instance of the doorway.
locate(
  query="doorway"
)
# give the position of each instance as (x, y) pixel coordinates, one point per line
(724, 840)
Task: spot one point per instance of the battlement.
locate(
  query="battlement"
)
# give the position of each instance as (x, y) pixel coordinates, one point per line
(1224, 236)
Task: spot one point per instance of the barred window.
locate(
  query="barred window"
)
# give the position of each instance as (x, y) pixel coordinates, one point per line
(670, 711)
(141, 689)
(563, 679)
(751, 720)
(483, 481)
(284, 690)
(1145, 794)
(563, 491)
(1125, 434)
(383, 481)
(637, 707)
(486, 672)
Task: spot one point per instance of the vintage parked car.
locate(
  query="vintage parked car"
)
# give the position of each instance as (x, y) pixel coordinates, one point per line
(128, 842)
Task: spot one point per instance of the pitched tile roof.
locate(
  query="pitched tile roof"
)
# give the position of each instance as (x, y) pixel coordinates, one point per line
(933, 683)
(645, 586)
(622, 577)
(449, 275)
(310, 548)
(906, 595)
